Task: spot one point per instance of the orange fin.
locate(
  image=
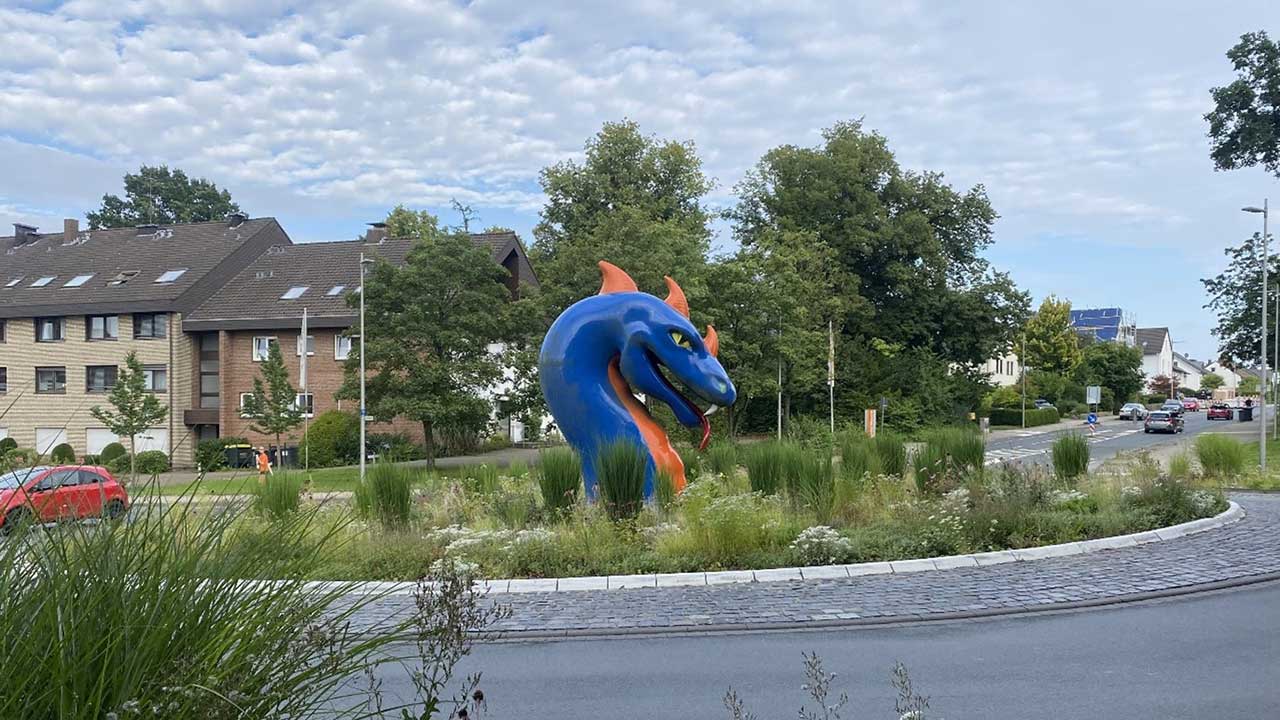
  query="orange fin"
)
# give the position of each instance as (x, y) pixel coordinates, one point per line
(675, 297)
(614, 280)
(712, 341)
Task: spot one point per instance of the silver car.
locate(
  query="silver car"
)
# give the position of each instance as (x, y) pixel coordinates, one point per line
(1133, 411)
(1161, 421)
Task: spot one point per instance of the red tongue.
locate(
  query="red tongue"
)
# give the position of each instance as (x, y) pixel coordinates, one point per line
(706, 431)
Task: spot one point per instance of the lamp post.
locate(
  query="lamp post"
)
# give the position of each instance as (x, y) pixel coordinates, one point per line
(364, 262)
(1262, 427)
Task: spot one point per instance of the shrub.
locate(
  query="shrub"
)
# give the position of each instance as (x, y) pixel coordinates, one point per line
(1068, 408)
(152, 462)
(891, 453)
(20, 457)
(209, 455)
(118, 465)
(387, 494)
(7, 444)
(278, 497)
(62, 453)
(496, 441)
(821, 545)
(559, 478)
(1221, 457)
(395, 447)
(112, 450)
(333, 439)
(1013, 416)
(1070, 456)
(620, 478)
(723, 458)
(764, 467)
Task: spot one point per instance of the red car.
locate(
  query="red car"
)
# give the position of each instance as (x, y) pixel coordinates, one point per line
(1218, 411)
(64, 492)
(1191, 405)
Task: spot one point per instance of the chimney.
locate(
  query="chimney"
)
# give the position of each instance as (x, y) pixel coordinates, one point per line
(377, 232)
(70, 229)
(235, 218)
(23, 234)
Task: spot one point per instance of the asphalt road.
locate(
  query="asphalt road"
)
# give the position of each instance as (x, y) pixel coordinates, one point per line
(1213, 655)
(1113, 436)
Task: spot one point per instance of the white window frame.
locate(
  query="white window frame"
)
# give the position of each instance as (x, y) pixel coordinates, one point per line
(240, 409)
(78, 280)
(295, 292)
(311, 346)
(170, 276)
(270, 339)
(42, 281)
(337, 345)
(302, 405)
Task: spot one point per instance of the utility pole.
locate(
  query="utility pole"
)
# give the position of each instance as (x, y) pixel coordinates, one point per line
(363, 262)
(1262, 426)
(1023, 360)
(1275, 340)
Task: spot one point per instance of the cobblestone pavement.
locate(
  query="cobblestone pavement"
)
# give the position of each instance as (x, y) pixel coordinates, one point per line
(1247, 548)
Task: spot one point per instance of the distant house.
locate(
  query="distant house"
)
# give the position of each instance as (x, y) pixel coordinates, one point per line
(1188, 372)
(1002, 371)
(1157, 352)
(1230, 379)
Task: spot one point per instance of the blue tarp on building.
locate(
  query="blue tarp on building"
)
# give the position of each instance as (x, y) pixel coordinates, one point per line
(1102, 323)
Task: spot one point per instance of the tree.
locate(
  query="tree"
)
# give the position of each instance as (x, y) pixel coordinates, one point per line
(1234, 296)
(1162, 385)
(1113, 366)
(273, 405)
(1052, 345)
(1211, 381)
(133, 409)
(163, 196)
(1244, 125)
(1248, 385)
(635, 201)
(431, 325)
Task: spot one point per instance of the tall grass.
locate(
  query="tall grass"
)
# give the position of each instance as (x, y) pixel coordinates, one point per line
(154, 618)
(891, 452)
(481, 479)
(279, 496)
(764, 463)
(620, 475)
(814, 485)
(948, 454)
(1221, 457)
(664, 490)
(692, 461)
(723, 458)
(1180, 466)
(858, 456)
(559, 478)
(1070, 456)
(929, 466)
(387, 494)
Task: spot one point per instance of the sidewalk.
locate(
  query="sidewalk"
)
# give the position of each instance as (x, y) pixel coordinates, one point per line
(1071, 423)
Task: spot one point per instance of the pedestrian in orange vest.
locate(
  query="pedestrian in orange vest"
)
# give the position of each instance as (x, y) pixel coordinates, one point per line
(264, 465)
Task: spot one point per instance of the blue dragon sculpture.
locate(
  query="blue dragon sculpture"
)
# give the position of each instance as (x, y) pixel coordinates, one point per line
(604, 349)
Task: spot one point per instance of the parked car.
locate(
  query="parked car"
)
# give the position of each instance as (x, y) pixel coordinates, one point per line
(1162, 421)
(46, 494)
(1042, 404)
(1133, 411)
(1191, 405)
(1219, 411)
(1173, 407)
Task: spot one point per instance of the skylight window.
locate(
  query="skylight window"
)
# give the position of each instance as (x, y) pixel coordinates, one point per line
(294, 293)
(123, 277)
(78, 280)
(14, 281)
(336, 290)
(170, 275)
(43, 281)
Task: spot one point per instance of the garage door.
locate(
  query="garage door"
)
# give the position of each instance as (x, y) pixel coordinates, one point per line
(47, 438)
(153, 439)
(98, 438)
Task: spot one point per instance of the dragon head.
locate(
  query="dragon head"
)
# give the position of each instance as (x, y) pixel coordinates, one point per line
(664, 357)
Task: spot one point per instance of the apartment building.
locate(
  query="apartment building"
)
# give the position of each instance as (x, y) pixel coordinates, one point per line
(263, 304)
(73, 304)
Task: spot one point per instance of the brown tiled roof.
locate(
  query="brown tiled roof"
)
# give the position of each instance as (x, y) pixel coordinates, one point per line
(210, 252)
(253, 298)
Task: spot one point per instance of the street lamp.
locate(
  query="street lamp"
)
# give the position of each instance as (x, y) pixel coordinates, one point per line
(364, 262)
(1262, 427)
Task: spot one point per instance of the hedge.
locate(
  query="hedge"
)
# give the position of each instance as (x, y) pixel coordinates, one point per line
(1013, 416)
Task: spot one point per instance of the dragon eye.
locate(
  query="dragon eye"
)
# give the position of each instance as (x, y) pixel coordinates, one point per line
(679, 339)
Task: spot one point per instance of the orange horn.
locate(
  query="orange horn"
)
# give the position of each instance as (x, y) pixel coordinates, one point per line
(712, 341)
(675, 297)
(614, 280)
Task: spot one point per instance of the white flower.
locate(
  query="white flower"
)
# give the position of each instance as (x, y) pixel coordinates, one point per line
(459, 567)
(820, 544)
(1203, 501)
(1130, 491)
(1063, 497)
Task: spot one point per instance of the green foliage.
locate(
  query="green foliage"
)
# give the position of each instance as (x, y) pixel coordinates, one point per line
(272, 407)
(765, 472)
(1113, 366)
(133, 409)
(1240, 313)
(814, 485)
(1180, 466)
(333, 438)
(279, 496)
(152, 462)
(8, 443)
(1211, 381)
(63, 453)
(1006, 397)
(396, 447)
(1221, 457)
(723, 458)
(620, 475)
(1244, 125)
(891, 453)
(481, 479)
(1013, 417)
(1051, 343)
(664, 490)
(559, 478)
(1249, 385)
(691, 459)
(1070, 456)
(387, 494)
(209, 454)
(164, 197)
(111, 451)
(858, 457)
(948, 454)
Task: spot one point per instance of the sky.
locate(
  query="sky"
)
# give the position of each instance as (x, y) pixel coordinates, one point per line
(1083, 121)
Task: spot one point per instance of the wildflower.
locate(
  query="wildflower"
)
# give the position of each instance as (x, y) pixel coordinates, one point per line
(820, 544)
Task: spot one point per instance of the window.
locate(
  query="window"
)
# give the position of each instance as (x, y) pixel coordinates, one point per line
(150, 325)
(341, 347)
(51, 380)
(99, 378)
(306, 402)
(169, 276)
(311, 345)
(155, 378)
(43, 281)
(4, 379)
(262, 347)
(336, 290)
(122, 277)
(103, 327)
(244, 397)
(2, 329)
(14, 281)
(294, 293)
(78, 280)
(51, 329)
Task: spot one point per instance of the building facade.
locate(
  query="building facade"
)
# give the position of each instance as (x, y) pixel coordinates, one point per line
(1003, 371)
(1157, 353)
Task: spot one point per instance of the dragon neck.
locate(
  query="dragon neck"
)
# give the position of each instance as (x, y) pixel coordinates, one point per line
(665, 457)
